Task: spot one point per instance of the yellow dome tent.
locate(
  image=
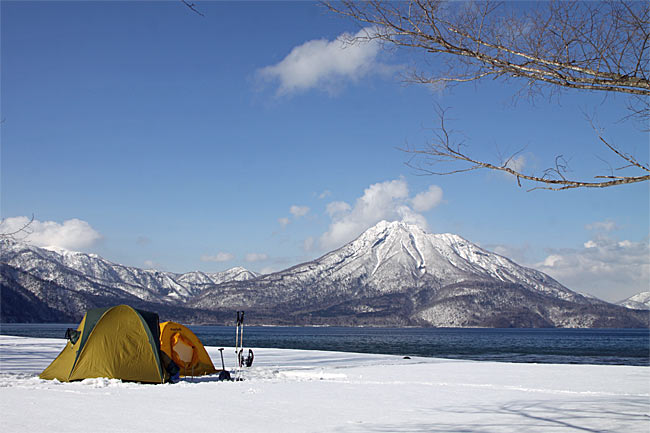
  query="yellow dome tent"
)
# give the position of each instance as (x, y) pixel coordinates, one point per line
(185, 349)
(115, 342)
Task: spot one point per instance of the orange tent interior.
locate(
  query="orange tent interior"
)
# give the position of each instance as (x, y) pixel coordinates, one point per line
(185, 348)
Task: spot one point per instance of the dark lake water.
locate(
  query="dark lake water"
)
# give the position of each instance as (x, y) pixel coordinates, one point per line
(563, 346)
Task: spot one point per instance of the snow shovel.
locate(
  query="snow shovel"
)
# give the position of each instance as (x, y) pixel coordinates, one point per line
(224, 375)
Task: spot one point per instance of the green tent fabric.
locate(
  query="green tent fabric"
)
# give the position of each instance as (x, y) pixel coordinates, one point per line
(116, 342)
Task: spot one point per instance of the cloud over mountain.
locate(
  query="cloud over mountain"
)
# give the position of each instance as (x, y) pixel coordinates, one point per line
(606, 267)
(220, 257)
(389, 200)
(428, 199)
(72, 234)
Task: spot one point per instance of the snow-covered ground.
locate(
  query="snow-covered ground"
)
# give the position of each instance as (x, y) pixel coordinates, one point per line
(315, 391)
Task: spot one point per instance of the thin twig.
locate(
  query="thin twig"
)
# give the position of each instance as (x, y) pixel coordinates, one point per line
(192, 6)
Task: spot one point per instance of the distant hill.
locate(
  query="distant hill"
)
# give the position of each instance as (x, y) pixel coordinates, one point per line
(640, 301)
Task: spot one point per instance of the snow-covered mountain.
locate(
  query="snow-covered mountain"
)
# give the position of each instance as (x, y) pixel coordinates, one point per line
(388, 258)
(640, 301)
(394, 274)
(91, 274)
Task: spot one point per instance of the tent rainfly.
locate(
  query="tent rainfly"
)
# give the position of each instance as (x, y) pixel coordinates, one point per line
(116, 342)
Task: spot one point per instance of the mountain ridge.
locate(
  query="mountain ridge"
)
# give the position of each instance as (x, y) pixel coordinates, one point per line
(87, 269)
(393, 274)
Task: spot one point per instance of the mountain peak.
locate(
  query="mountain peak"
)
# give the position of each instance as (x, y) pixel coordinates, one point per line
(394, 253)
(395, 225)
(383, 228)
(640, 301)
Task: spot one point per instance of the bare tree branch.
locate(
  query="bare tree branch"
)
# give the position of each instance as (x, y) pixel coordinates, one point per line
(192, 6)
(20, 233)
(444, 150)
(548, 45)
(588, 46)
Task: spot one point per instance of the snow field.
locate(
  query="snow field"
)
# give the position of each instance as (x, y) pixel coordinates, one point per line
(317, 391)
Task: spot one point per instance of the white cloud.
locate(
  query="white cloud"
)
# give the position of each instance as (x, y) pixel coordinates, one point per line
(551, 260)
(428, 199)
(325, 194)
(72, 234)
(308, 244)
(603, 226)
(218, 258)
(256, 257)
(590, 244)
(409, 216)
(299, 211)
(605, 267)
(321, 63)
(337, 207)
(381, 201)
(283, 221)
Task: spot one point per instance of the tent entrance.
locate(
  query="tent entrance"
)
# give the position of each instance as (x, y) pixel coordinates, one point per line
(183, 351)
(186, 350)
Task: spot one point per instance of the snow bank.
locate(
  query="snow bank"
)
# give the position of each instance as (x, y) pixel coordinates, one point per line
(316, 391)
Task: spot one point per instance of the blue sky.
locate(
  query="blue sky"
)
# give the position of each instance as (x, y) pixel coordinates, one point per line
(161, 139)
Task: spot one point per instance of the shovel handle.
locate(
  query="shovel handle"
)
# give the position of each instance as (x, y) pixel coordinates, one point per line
(223, 366)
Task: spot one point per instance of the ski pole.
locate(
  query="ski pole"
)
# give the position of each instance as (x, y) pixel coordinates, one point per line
(238, 334)
(242, 331)
(238, 341)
